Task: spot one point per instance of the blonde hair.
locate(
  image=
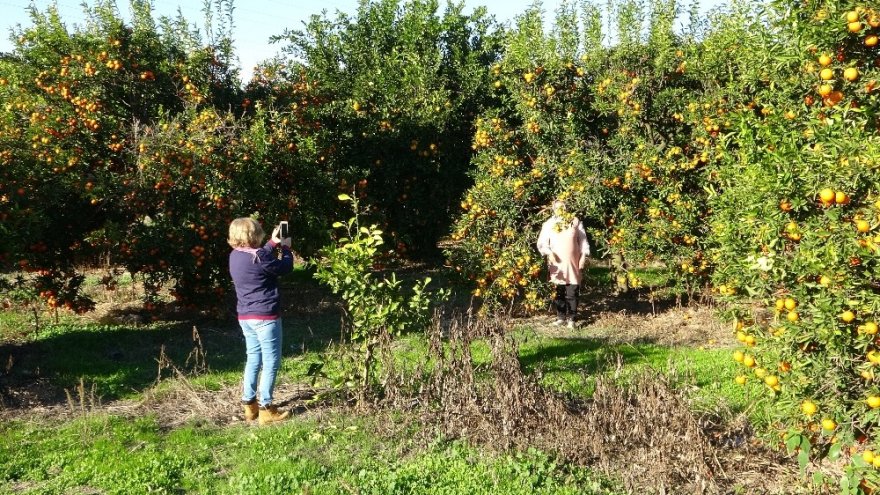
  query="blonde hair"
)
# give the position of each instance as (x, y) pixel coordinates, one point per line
(245, 232)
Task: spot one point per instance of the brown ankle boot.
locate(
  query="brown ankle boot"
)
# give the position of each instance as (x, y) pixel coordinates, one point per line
(251, 410)
(271, 414)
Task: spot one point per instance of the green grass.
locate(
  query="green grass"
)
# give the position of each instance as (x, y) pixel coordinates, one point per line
(118, 360)
(14, 325)
(572, 364)
(93, 280)
(331, 456)
(121, 361)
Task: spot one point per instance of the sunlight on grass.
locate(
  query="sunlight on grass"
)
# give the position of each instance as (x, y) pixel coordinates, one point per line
(571, 365)
(319, 456)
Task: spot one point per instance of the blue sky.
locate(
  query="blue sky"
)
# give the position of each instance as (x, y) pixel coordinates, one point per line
(257, 20)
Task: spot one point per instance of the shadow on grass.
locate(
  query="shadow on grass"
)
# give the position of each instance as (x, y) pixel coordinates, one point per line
(587, 355)
(120, 360)
(116, 360)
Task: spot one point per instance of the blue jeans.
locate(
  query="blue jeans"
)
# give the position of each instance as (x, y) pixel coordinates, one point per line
(263, 341)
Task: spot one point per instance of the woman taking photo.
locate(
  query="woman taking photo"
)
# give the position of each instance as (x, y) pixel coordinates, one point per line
(255, 270)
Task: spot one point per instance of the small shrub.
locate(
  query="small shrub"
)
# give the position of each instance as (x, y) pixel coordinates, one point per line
(376, 309)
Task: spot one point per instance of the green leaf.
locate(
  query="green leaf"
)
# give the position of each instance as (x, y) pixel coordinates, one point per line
(834, 452)
(344, 197)
(793, 441)
(803, 459)
(805, 444)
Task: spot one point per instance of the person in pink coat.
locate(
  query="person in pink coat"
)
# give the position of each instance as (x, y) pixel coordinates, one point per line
(563, 241)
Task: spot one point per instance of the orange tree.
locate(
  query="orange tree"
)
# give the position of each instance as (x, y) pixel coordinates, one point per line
(388, 97)
(617, 132)
(197, 170)
(76, 105)
(794, 229)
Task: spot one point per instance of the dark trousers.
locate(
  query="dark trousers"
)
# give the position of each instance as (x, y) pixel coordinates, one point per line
(566, 301)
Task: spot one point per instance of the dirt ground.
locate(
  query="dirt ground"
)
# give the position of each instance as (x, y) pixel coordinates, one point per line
(678, 326)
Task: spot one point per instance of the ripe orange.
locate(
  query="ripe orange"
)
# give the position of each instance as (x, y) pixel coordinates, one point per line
(871, 40)
(825, 60)
(847, 316)
(868, 456)
(824, 280)
(852, 16)
(873, 356)
(863, 226)
(851, 74)
(809, 407)
(826, 195)
(750, 340)
(828, 424)
(826, 74)
(825, 90)
(854, 27)
(738, 356)
(780, 304)
(740, 379)
(792, 316)
(790, 303)
(760, 372)
(870, 328)
(749, 361)
(873, 401)
(771, 381)
(831, 100)
(840, 197)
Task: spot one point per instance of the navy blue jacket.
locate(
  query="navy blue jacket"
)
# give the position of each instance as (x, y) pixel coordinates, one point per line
(255, 274)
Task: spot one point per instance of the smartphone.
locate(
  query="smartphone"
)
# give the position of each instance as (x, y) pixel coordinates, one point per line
(284, 230)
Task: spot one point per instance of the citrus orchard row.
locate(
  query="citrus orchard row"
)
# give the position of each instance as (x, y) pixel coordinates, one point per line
(744, 161)
(742, 157)
(133, 144)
